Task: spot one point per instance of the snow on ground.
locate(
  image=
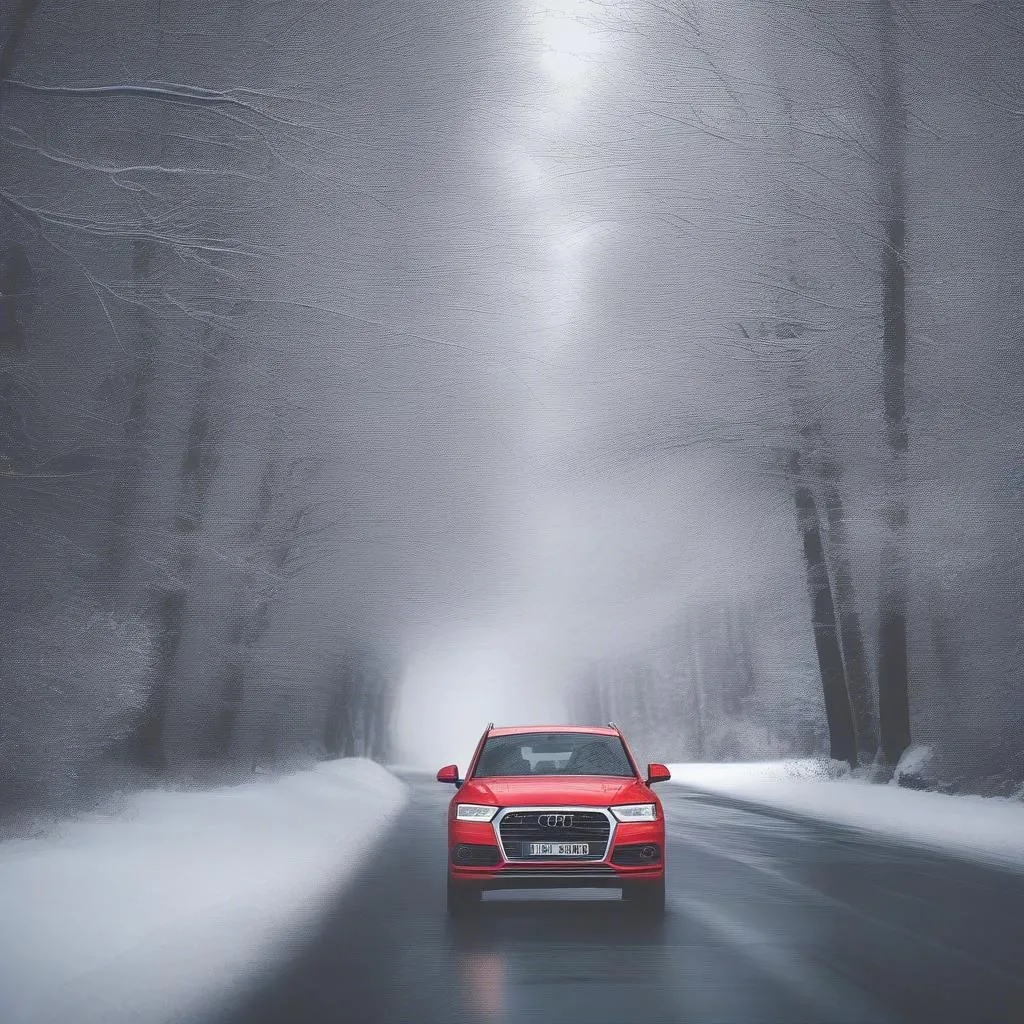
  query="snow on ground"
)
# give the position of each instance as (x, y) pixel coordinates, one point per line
(150, 916)
(983, 828)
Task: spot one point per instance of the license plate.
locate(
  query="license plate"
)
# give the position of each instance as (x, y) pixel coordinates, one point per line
(559, 849)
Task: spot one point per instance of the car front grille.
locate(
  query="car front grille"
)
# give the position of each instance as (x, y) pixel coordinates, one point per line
(520, 828)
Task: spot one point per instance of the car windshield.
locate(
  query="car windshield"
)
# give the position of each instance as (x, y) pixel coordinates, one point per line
(553, 753)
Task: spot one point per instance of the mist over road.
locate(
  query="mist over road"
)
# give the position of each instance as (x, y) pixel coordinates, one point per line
(768, 921)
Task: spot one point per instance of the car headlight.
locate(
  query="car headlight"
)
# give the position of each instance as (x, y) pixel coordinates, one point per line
(475, 812)
(635, 812)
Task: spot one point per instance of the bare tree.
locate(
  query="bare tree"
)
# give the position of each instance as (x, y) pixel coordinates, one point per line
(893, 679)
(699, 701)
(842, 737)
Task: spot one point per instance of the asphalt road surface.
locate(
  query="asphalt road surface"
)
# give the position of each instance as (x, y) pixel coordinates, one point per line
(769, 920)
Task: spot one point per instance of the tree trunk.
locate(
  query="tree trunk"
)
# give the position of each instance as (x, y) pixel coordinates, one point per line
(838, 713)
(382, 735)
(893, 683)
(336, 725)
(231, 688)
(171, 607)
(15, 285)
(851, 635)
(14, 33)
(604, 709)
(144, 744)
(350, 706)
(120, 550)
(697, 683)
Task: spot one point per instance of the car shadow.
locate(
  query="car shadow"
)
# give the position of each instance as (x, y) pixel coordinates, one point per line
(575, 919)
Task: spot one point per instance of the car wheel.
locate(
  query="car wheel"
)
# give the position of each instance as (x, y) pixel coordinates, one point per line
(646, 897)
(461, 898)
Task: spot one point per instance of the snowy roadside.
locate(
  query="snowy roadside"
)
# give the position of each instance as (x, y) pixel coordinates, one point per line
(985, 829)
(151, 916)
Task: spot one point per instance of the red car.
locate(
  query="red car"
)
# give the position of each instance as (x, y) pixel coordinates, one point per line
(555, 807)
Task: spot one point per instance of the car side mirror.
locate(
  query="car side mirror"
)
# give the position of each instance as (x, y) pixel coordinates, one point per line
(657, 773)
(449, 773)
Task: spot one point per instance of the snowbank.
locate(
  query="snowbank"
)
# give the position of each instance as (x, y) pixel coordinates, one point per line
(987, 829)
(147, 917)
(743, 773)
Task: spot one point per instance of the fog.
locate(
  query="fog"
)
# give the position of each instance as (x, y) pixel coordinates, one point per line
(373, 373)
(611, 531)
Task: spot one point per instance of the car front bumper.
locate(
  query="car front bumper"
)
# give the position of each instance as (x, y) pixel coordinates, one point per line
(557, 873)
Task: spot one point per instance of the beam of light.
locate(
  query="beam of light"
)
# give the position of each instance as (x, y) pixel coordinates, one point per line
(570, 39)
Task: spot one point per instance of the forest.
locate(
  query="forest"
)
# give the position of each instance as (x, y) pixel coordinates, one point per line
(672, 348)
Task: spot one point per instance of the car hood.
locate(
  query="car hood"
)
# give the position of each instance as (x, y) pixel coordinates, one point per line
(572, 790)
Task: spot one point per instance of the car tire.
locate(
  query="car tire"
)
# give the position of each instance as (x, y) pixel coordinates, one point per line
(461, 898)
(647, 898)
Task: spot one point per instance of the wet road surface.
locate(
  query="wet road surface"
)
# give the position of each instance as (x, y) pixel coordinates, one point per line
(768, 920)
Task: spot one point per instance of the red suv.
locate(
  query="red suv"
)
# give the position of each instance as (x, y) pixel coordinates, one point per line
(555, 806)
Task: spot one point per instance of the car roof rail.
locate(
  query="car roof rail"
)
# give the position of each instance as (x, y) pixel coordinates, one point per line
(490, 726)
(612, 725)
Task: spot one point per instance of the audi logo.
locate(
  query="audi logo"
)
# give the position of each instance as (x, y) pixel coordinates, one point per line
(555, 820)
